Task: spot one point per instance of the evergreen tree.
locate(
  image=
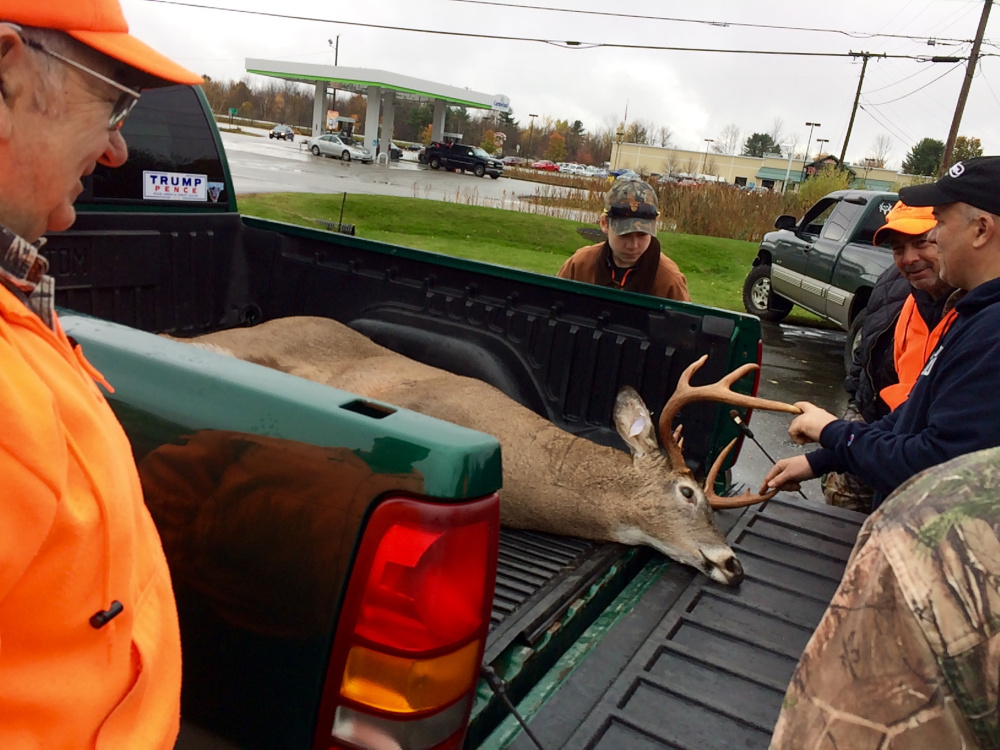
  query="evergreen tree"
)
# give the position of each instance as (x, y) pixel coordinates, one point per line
(759, 144)
(924, 158)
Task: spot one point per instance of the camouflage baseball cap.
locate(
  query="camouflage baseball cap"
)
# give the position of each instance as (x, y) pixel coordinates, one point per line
(630, 206)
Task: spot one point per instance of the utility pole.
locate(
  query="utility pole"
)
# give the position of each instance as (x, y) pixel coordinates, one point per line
(970, 70)
(857, 97)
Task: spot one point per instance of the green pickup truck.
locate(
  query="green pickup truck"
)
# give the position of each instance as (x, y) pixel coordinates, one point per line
(337, 562)
(825, 262)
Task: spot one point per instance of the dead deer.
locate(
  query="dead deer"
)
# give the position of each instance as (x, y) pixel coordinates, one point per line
(553, 481)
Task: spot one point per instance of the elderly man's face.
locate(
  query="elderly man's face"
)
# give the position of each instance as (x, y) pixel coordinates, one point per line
(53, 147)
(918, 260)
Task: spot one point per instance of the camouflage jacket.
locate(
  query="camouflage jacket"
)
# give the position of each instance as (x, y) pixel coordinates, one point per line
(908, 653)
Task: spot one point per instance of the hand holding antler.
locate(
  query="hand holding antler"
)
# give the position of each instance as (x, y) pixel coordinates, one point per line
(787, 474)
(806, 427)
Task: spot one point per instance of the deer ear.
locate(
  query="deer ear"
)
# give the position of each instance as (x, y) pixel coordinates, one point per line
(634, 423)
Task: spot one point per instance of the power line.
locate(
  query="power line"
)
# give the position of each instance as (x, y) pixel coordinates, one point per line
(556, 42)
(907, 140)
(982, 74)
(896, 83)
(722, 24)
(917, 90)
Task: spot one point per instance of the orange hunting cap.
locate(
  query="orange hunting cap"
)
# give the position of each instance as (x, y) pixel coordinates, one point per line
(906, 220)
(99, 24)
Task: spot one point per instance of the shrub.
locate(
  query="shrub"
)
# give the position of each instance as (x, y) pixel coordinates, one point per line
(827, 180)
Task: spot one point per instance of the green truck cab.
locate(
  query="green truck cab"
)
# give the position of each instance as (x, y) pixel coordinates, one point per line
(825, 262)
(339, 570)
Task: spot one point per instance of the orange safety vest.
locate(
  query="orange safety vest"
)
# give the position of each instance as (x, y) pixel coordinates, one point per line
(912, 345)
(75, 536)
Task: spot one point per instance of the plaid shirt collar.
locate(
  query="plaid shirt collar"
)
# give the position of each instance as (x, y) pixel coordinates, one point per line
(22, 270)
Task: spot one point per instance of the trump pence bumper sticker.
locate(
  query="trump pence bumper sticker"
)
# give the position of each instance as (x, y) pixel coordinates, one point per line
(174, 186)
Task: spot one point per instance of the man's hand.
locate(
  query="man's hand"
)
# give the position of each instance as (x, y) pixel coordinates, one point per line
(806, 427)
(788, 473)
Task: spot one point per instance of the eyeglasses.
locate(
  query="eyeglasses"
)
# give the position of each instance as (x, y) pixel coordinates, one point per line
(126, 100)
(632, 211)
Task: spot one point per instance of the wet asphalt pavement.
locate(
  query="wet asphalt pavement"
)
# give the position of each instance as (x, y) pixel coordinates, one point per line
(799, 363)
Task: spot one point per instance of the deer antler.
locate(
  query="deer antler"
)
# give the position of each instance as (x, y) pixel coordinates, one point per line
(739, 501)
(721, 391)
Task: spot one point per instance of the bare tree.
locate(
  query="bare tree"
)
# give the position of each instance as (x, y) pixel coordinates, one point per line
(777, 131)
(879, 151)
(640, 131)
(664, 137)
(728, 140)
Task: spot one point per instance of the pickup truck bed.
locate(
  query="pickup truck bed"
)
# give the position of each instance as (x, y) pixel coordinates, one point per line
(697, 665)
(577, 628)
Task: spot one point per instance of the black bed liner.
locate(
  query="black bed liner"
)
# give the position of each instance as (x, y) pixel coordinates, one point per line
(698, 665)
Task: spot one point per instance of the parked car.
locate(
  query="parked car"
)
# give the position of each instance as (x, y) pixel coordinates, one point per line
(572, 168)
(283, 132)
(545, 164)
(335, 146)
(514, 161)
(415, 147)
(395, 152)
(454, 156)
(625, 174)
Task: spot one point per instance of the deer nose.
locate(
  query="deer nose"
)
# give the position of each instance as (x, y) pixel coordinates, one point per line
(721, 565)
(735, 571)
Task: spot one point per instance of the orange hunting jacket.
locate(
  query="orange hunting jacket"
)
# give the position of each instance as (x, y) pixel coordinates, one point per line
(913, 343)
(74, 537)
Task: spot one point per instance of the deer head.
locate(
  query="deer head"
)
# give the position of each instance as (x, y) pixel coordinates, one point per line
(684, 506)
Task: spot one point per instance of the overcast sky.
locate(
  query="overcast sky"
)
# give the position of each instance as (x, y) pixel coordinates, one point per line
(695, 94)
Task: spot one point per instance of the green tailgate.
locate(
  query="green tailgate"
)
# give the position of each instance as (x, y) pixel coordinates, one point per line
(195, 389)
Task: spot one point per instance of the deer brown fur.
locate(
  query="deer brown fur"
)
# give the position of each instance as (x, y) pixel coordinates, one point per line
(552, 481)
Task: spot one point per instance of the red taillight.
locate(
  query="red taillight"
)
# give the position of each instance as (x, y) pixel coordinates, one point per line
(413, 627)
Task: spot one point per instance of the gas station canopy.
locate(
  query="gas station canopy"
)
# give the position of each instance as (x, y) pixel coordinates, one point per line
(381, 88)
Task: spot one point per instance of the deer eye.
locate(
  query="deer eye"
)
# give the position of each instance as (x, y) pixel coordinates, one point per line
(687, 492)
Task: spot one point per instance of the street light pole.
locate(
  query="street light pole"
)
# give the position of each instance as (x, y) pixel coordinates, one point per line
(788, 172)
(704, 160)
(821, 140)
(811, 125)
(336, 55)
(531, 133)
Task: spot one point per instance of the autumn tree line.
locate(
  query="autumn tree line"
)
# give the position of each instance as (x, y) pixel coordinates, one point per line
(923, 159)
(274, 101)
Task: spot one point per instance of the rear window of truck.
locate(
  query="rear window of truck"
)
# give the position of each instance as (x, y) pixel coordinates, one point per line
(173, 158)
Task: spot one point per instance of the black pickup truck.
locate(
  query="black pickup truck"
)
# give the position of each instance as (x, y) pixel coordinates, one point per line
(458, 156)
(295, 516)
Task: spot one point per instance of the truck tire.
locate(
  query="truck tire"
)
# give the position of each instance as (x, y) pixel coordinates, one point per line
(346, 156)
(759, 300)
(479, 170)
(853, 339)
(315, 150)
(434, 163)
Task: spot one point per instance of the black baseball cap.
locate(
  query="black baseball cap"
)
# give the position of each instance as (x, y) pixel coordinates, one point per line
(973, 181)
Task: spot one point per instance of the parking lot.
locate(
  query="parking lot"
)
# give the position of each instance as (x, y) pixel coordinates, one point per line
(262, 165)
